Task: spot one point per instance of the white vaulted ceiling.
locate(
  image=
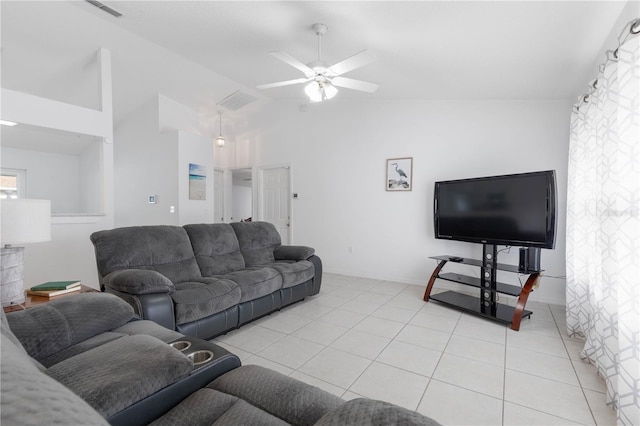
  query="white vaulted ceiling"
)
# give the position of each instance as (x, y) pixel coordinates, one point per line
(433, 49)
(424, 49)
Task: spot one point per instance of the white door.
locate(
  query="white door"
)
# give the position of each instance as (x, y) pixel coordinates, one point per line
(275, 200)
(218, 196)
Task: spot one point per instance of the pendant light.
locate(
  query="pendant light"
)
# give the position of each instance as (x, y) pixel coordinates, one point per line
(220, 139)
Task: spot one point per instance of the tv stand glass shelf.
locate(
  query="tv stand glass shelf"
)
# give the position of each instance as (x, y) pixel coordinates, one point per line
(486, 305)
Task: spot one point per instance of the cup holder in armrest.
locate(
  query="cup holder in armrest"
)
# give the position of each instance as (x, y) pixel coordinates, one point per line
(199, 351)
(200, 357)
(181, 345)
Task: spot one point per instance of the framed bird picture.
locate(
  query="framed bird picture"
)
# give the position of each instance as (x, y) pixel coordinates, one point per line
(399, 174)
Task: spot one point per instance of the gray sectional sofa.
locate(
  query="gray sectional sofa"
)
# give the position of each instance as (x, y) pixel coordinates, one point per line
(204, 279)
(84, 360)
(87, 347)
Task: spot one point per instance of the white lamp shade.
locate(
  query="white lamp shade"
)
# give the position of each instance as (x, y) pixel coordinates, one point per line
(330, 90)
(313, 91)
(25, 221)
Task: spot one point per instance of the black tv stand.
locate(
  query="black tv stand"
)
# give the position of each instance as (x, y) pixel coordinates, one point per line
(487, 304)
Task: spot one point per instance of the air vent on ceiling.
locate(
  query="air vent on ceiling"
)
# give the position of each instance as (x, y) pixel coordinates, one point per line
(236, 100)
(104, 8)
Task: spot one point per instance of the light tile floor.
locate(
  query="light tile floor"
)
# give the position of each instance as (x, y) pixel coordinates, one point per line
(378, 339)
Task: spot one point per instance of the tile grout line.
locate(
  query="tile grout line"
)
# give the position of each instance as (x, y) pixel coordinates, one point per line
(387, 345)
(571, 360)
(437, 362)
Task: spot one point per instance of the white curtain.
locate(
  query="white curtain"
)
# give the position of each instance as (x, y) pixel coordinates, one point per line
(603, 229)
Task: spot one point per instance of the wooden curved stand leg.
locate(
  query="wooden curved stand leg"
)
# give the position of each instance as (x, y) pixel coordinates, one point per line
(522, 301)
(436, 271)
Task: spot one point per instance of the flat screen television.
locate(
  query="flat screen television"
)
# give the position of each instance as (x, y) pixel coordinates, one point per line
(512, 210)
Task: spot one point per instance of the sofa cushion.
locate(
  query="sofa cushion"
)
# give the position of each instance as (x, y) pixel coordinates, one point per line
(216, 248)
(59, 324)
(161, 248)
(30, 397)
(255, 282)
(131, 328)
(122, 372)
(289, 399)
(85, 345)
(257, 241)
(293, 273)
(362, 411)
(204, 297)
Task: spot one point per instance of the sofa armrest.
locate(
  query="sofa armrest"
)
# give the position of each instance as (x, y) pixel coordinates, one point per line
(47, 329)
(293, 252)
(138, 281)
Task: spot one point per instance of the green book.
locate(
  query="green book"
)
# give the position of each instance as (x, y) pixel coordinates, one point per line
(55, 285)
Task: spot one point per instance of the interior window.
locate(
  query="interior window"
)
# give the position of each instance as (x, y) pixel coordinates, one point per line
(12, 184)
(49, 164)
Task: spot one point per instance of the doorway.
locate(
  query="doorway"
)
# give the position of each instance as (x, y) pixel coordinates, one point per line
(241, 195)
(275, 196)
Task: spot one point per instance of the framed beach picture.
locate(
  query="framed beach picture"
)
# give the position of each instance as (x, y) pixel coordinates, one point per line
(197, 182)
(399, 174)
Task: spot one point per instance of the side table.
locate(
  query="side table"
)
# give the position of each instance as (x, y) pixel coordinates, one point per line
(31, 300)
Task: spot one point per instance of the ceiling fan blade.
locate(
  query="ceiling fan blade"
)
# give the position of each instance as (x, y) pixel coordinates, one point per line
(350, 83)
(285, 57)
(282, 83)
(358, 60)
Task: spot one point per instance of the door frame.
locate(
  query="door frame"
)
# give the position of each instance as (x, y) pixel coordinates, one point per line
(260, 194)
(223, 195)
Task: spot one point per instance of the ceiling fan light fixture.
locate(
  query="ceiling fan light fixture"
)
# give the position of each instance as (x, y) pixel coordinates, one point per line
(319, 90)
(320, 78)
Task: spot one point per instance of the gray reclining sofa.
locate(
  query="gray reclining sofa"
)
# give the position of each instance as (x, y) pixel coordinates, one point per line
(84, 360)
(204, 279)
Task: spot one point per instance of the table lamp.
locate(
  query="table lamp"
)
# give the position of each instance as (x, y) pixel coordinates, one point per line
(23, 221)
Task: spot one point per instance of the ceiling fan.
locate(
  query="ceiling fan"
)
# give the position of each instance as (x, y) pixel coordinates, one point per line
(322, 78)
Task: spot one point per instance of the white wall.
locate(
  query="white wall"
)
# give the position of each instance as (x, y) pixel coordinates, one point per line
(144, 164)
(50, 176)
(153, 149)
(338, 152)
(92, 181)
(194, 149)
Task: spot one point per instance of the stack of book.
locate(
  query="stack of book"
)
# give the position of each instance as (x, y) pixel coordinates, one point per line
(54, 288)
